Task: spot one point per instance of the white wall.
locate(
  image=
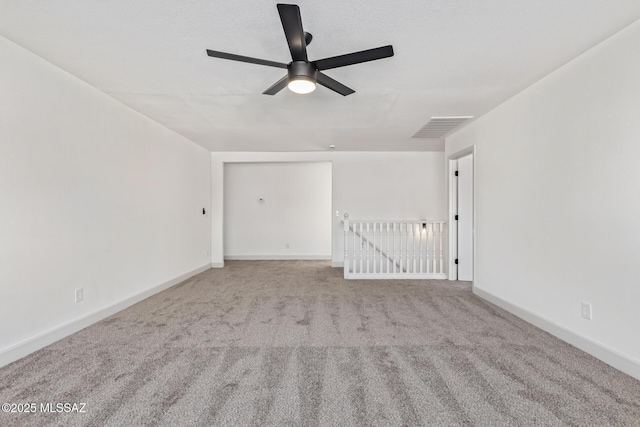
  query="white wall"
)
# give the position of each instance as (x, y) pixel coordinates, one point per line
(367, 185)
(293, 220)
(558, 199)
(92, 195)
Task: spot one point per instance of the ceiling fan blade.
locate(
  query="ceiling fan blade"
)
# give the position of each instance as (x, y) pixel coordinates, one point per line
(277, 86)
(292, 25)
(355, 58)
(334, 85)
(232, 57)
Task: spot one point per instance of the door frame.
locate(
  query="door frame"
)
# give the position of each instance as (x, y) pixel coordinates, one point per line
(452, 195)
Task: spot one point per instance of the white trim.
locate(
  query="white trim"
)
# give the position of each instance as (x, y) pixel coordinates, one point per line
(28, 346)
(598, 350)
(452, 194)
(452, 245)
(217, 264)
(275, 257)
(395, 276)
(337, 264)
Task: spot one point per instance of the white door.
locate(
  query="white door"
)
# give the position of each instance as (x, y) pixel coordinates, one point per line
(465, 217)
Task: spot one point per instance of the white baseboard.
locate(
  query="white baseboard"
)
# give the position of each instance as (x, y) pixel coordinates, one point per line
(219, 264)
(337, 264)
(28, 346)
(598, 350)
(275, 257)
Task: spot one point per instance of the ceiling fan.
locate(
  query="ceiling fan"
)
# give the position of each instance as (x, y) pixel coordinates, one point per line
(302, 74)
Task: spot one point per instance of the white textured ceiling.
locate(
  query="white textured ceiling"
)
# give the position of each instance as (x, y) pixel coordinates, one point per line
(452, 57)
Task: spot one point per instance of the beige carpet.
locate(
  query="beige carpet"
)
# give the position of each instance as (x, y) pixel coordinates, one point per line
(290, 343)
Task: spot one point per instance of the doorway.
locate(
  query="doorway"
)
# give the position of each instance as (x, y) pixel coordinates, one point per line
(277, 210)
(461, 215)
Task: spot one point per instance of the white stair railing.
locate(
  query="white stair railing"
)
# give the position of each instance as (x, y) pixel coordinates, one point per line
(393, 249)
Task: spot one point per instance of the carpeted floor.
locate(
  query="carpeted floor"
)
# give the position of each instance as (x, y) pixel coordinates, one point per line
(290, 343)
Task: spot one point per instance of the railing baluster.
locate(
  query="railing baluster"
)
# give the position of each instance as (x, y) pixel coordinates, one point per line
(409, 243)
(387, 242)
(360, 248)
(426, 248)
(413, 239)
(366, 247)
(367, 242)
(400, 247)
(426, 242)
(376, 267)
(412, 247)
(434, 254)
(373, 251)
(435, 248)
(429, 236)
(420, 244)
(353, 227)
(399, 258)
(408, 253)
(380, 248)
(440, 246)
(373, 261)
(346, 246)
(372, 245)
(393, 246)
(409, 257)
(406, 246)
(432, 244)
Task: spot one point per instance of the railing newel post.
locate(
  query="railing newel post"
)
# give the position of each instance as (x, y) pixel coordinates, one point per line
(346, 245)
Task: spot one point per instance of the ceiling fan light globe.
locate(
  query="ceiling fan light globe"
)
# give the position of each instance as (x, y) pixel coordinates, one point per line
(301, 86)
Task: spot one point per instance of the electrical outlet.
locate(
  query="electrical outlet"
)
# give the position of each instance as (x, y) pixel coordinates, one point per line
(79, 294)
(586, 310)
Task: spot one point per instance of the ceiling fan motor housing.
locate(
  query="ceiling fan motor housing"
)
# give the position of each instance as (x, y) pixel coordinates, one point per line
(301, 70)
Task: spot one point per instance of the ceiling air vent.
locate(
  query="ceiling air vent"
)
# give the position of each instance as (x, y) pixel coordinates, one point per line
(438, 127)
